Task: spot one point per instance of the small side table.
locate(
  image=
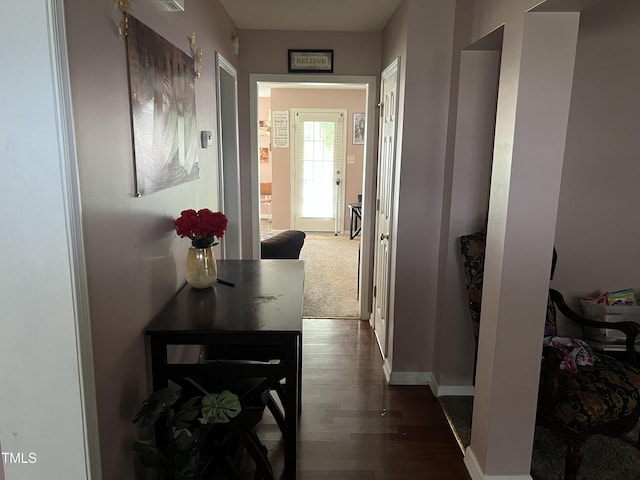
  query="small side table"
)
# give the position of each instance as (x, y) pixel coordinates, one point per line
(355, 212)
(263, 309)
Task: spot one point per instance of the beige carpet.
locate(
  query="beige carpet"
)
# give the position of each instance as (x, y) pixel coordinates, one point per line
(331, 276)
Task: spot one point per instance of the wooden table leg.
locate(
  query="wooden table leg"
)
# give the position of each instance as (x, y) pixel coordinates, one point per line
(159, 380)
(291, 409)
(299, 348)
(159, 376)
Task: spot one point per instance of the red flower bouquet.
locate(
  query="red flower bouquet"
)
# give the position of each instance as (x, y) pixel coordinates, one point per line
(202, 227)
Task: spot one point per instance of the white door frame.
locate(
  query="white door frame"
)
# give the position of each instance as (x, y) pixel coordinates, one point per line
(340, 196)
(369, 176)
(62, 320)
(385, 196)
(228, 157)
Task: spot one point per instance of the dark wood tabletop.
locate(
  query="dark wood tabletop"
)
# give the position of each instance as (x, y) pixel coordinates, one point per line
(263, 308)
(267, 296)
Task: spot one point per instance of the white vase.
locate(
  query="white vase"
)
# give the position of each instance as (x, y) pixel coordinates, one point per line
(202, 270)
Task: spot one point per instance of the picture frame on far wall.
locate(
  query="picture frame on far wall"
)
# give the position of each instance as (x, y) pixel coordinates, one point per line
(359, 120)
(310, 61)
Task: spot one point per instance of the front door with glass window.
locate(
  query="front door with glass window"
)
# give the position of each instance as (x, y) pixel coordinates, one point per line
(318, 166)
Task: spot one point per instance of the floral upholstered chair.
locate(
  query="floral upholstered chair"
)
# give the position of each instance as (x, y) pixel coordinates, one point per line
(581, 393)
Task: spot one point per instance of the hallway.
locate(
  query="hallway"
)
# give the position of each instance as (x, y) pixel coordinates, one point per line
(353, 425)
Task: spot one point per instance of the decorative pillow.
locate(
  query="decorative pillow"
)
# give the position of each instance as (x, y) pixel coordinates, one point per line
(576, 352)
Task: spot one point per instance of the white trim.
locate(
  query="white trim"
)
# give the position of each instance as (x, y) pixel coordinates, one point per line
(434, 386)
(254, 171)
(315, 113)
(476, 473)
(473, 467)
(405, 378)
(410, 378)
(455, 391)
(386, 369)
(382, 319)
(369, 174)
(229, 181)
(368, 195)
(73, 213)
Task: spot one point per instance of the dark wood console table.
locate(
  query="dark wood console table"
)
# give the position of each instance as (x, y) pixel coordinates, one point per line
(263, 309)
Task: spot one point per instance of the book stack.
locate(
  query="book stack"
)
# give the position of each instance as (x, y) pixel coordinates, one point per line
(610, 307)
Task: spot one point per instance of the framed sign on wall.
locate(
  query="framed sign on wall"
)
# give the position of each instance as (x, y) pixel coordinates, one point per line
(310, 61)
(358, 128)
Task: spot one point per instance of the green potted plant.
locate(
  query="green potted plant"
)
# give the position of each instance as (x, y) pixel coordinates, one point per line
(184, 449)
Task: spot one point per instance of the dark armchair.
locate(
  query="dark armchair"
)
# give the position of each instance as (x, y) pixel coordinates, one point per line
(602, 398)
(284, 245)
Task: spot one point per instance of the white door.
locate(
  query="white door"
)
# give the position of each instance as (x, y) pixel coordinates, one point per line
(384, 202)
(318, 165)
(229, 162)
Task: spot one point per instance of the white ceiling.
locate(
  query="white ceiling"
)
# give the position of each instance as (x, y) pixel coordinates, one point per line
(311, 15)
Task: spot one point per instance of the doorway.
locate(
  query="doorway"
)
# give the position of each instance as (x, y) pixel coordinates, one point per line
(279, 120)
(229, 166)
(318, 166)
(385, 194)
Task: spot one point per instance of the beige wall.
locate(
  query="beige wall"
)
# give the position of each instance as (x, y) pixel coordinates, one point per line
(421, 33)
(283, 99)
(394, 46)
(597, 227)
(135, 261)
(486, 17)
(121, 309)
(265, 52)
(588, 198)
(465, 200)
(597, 125)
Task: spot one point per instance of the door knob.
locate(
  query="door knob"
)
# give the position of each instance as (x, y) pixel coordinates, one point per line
(384, 236)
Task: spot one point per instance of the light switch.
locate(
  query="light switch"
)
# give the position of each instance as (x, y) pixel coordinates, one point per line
(206, 139)
(351, 159)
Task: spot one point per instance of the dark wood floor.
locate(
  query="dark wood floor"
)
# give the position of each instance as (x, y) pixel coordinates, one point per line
(353, 425)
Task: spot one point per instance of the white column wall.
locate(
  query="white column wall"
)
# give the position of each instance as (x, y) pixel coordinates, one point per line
(531, 124)
(42, 430)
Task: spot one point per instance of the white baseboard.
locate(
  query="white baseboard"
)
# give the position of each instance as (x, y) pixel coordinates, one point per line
(476, 473)
(386, 368)
(451, 390)
(455, 391)
(410, 378)
(425, 378)
(405, 378)
(473, 467)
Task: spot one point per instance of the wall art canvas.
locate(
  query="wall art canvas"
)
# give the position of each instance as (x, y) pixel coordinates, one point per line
(163, 108)
(358, 128)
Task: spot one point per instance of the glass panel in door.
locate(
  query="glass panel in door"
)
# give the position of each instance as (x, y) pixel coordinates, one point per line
(318, 157)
